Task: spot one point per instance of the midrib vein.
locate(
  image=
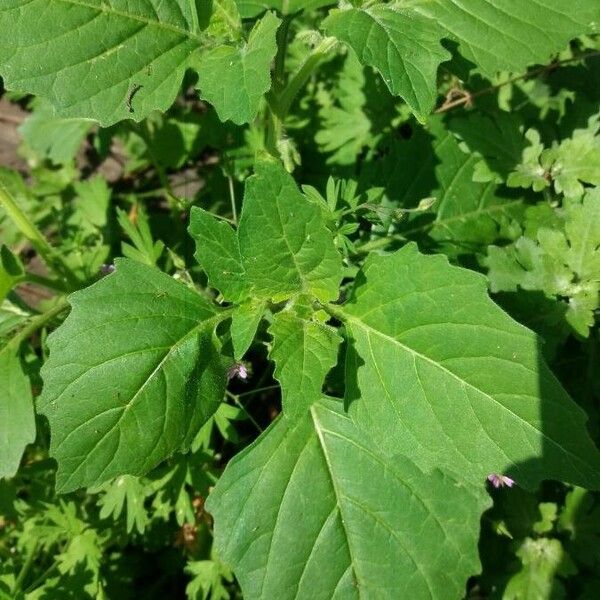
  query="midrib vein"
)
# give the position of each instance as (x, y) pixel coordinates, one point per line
(370, 330)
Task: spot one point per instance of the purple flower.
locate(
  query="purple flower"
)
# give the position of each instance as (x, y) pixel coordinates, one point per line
(238, 370)
(499, 481)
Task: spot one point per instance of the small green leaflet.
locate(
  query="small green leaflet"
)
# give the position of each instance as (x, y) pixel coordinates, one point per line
(282, 246)
(52, 137)
(17, 420)
(449, 380)
(314, 510)
(133, 374)
(244, 323)
(304, 351)
(560, 258)
(402, 40)
(567, 166)
(234, 79)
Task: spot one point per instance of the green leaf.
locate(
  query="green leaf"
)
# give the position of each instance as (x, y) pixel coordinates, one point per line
(402, 40)
(125, 493)
(432, 164)
(304, 351)
(399, 43)
(543, 559)
(244, 323)
(563, 260)
(282, 246)
(52, 137)
(90, 58)
(580, 520)
(449, 380)
(17, 420)
(209, 579)
(251, 8)
(362, 526)
(234, 79)
(225, 21)
(568, 165)
(133, 373)
(12, 271)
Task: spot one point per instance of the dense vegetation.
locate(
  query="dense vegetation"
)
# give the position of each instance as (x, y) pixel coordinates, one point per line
(299, 299)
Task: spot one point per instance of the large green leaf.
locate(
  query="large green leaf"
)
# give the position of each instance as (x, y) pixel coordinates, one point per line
(304, 351)
(132, 375)
(399, 43)
(282, 246)
(109, 60)
(449, 380)
(402, 39)
(313, 510)
(88, 57)
(234, 79)
(17, 421)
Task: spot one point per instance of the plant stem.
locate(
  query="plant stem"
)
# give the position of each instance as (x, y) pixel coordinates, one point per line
(25, 569)
(467, 97)
(232, 199)
(37, 323)
(282, 44)
(42, 578)
(284, 102)
(279, 103)
(242, 407)
(381, 242)
(35, 237)
(51, 284)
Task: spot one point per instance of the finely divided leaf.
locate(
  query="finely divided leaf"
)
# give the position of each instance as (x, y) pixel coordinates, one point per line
(450, 381)
(234, 79)
(105, 60)
(132, 375)
(304, 351)
(17, 420)
(282, 246)
(314, 510)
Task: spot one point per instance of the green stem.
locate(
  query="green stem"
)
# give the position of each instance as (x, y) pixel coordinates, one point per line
(280, 102)
(38, 322)
(284, 102)
(51, 284)
(282, 44)
(35, 237)
(243, 408)
(42, 578)
(25, 569)
(380, 243)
